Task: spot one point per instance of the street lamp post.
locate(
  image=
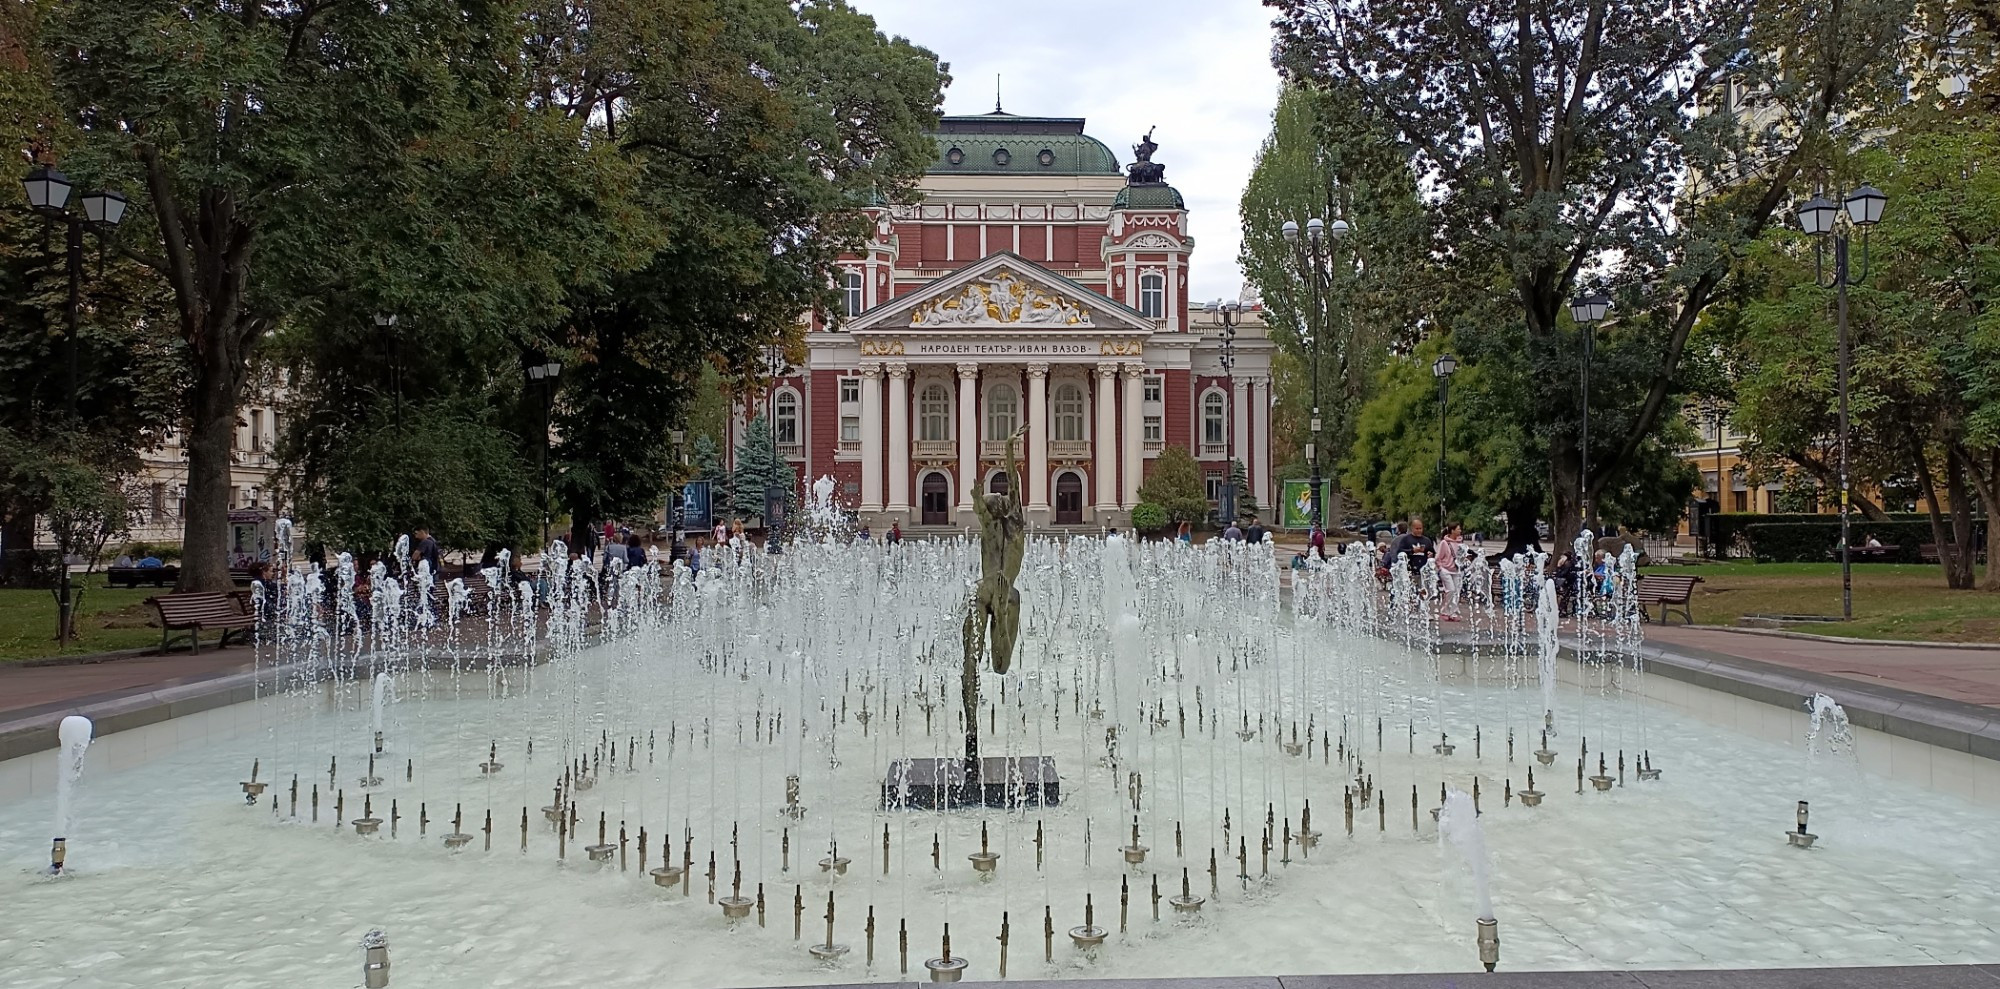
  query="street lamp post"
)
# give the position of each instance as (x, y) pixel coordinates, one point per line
(1316, 260)
(1717, 415)
(1586, 310)
(1224, 316)
(1819, 218)
(48, 194)
(677, 515)
(545, 375)
(1442, 369)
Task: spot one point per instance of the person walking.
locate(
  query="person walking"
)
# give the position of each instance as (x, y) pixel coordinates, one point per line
(426, 550)
(1414, 546)
(895, 533)
(1450, 554)
(635, 551)
(1233, 534)
(721, 532)
(1317, 542)
(1255, 532)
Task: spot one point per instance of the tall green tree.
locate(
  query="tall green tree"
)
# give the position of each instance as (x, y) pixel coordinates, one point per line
(1924, 329)
(305, 164)
(1327, 157)
(758, 467)
(1565, 141)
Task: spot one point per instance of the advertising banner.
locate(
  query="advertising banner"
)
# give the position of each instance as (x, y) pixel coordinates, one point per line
(1295, 503)
(696, 511)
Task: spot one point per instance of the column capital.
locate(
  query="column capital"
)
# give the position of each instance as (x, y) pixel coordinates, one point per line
(1135, 371)
(871, 371)
(898, 369)
(1038, 369)
(1107, 369)
(968, 371)
(1243, 382)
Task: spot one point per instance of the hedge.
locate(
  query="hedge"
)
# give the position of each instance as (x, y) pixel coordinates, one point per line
(1815, 542)
(1731, 530)
(1148, 517)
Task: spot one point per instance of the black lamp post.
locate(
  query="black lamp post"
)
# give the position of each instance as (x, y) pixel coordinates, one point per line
(48, 194)
(545, 375)
(1442, 369)
(1224, 314)
(1315, 258)
(1819, 218)
(1586, 310)
(677, 515)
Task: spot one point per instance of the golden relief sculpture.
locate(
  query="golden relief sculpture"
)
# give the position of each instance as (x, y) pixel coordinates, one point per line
(1002, 298)
(1122, 348)
(881, 348)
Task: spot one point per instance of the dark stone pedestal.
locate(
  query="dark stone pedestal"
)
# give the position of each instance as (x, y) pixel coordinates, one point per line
(932, 784)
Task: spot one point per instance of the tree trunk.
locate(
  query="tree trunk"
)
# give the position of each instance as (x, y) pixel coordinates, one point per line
(1954, 577)
(1565, 501)
(1521, 534)
(1957, 553)
(213, 398)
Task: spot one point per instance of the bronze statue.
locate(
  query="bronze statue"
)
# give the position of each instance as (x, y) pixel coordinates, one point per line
(1144, 170)
(993, 615)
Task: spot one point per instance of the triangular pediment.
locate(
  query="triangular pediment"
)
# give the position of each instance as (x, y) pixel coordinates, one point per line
(1002, 291)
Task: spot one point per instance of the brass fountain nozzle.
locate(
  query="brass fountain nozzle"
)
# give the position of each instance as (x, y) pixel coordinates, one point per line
(57, 853)
(1489, 942)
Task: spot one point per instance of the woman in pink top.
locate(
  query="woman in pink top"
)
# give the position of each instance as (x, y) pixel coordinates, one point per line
(1448, 552)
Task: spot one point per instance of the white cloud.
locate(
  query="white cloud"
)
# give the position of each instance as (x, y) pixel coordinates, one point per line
(1198, 70)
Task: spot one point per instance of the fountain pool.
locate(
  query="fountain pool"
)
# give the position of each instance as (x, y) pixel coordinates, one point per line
(691, 711)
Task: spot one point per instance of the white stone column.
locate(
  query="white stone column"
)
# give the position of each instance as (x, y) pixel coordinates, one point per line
(1038, 437)
(871, 437)
(1260, 444)
(899, 438)
(968, 434)
(1131, 438)
(1104, 463)
(1239, 420)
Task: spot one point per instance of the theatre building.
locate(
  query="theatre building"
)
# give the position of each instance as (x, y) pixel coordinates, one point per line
(1035, 283)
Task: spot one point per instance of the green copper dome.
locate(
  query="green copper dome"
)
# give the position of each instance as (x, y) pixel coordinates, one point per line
(1149, 196)
(1004, 144)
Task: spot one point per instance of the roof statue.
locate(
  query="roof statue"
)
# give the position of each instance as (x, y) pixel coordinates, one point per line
(1146, 171)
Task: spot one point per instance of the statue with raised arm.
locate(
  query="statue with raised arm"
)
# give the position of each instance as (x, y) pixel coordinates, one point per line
(993, 614)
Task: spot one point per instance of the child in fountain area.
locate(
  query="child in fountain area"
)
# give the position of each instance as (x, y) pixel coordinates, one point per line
(895, 533)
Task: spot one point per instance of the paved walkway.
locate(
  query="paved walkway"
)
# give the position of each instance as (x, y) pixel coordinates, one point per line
(23, 689)
(1971, 676)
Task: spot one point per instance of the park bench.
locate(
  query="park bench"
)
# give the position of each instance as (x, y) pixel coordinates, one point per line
(227, 612)
(1667, 590)
(134, 576)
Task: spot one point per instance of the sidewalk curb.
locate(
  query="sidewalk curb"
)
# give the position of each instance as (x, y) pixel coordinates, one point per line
(1781, 633)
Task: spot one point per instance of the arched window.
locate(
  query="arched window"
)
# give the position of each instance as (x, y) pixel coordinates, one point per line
(1153, 295)
(1214, 419)
(786, 417)
(1003, 411)
(1069, 413)
(853, 290)
(934, 413)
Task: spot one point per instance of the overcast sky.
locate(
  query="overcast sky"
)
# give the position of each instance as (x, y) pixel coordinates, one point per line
(1197, 70)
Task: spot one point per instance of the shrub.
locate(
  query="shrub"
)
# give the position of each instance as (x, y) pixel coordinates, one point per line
(1731, 530)
(1148, 517)
(1815, 542)
(1177, 485)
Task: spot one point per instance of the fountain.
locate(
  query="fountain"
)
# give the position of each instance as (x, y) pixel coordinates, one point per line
(73, 741)
(1187, 703)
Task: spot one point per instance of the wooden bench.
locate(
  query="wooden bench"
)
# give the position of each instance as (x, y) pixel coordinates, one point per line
(134, 576)
(225, 611)
(1667, 590)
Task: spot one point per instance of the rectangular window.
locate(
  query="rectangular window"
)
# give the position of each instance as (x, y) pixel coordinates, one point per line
(1153, 388)
(1154, 435)
(1215, 485)
(1742, 500)
(850, 391)
(850, 430)
(158, 499)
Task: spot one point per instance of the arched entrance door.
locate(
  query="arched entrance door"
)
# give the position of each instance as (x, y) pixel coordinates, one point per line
(936, 499)
(1069, 498)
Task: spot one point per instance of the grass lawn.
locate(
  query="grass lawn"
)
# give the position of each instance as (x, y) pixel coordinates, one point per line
(1891, 601)
(109, 619)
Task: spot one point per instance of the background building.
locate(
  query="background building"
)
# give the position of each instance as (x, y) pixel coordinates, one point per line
(1035, 283)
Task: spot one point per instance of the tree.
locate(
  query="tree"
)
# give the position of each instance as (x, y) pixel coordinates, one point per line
(757, 144)
(1566, 141)
(1246, 499)
(1326, 157)
(1177, 485)
(758, 467)
(1925, 330)
(311, 163)
(444, 467)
